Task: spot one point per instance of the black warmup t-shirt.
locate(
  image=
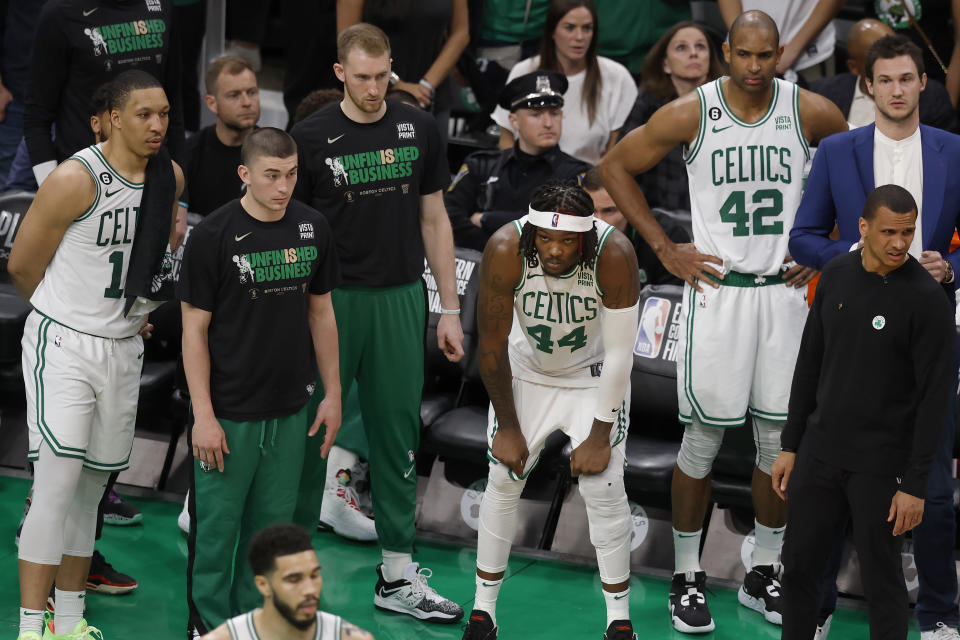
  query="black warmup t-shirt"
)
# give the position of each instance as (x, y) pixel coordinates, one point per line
(256, 279)
(367, 180)
(211, 172)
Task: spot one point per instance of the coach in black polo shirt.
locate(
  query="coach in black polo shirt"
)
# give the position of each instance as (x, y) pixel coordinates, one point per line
(869, 400)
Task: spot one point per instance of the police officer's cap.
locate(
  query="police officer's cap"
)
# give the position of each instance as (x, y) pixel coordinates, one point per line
(534, 90)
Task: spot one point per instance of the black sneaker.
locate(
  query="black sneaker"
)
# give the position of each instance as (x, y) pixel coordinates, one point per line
(103, 578)
(119, 512)
(688, 605)
(620, 630)
(413, 596)
(761, 592)
(479, 627)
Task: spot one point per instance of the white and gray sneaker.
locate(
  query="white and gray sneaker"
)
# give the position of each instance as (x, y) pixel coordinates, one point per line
(823, 630)
(340, 512)
(413, 596)
(941, 632)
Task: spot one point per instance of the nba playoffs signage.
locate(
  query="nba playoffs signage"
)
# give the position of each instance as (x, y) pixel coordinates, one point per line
(659, 329)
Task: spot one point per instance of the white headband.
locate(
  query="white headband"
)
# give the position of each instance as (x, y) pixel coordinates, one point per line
(560, 221)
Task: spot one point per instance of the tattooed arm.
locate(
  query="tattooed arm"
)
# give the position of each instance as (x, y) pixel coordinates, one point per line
(351, 632)
(500, 271)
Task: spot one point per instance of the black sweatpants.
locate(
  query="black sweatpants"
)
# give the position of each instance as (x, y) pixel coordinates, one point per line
(820, 499)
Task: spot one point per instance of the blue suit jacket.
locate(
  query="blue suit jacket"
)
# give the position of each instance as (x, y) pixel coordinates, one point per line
(842, 177)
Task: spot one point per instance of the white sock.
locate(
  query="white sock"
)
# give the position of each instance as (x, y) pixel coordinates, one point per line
(69, 610)
(618, 605)
(769, 542)
(31, 620)
(394, 562)
(686, 551)
(486, 597)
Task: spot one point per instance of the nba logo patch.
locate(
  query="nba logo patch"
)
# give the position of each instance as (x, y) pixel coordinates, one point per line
(58, 341)
(556, 220)
(653, 326)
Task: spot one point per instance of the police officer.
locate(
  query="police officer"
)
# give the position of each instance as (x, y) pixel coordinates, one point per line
(494, 186)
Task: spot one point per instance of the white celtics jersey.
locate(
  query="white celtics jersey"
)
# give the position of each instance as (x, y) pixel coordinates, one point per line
(556, 336)
(82, 287)
(328, 627)
(746, 179)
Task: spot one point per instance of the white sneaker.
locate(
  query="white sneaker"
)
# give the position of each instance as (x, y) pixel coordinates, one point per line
(413, 596)
(183, 520)
(340, 512)
(942, 632)
(823, 631)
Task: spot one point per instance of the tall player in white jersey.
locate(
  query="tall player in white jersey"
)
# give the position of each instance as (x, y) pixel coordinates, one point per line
(287, 573)
(745, 142)
(558, 299)
(81, 354)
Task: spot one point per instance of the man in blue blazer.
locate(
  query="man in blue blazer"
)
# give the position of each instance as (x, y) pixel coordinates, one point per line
(925, 161)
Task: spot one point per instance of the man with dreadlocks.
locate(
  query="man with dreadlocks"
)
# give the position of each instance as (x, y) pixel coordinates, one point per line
(558, 299)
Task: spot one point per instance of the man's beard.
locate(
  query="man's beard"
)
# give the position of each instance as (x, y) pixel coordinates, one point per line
(905, 116)
(363, 105)
(288, 614)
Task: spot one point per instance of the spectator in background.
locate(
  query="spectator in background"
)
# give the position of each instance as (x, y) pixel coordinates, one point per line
(652, 270)
(630, 29)
(681, 60)
(601, 91)
(806, 33)
(309, 65)
(493, 187)
(19, 28)
(932, 17)
(75, 52)
(190, 21)
(316, 100)
(247, 25)
(213, 154)
(510, 30)
(423, 55)
(850, 93)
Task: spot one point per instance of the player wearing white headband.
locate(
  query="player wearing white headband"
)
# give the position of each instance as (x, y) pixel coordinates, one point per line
(558, 299)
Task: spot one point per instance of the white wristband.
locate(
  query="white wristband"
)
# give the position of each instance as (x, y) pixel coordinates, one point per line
(449, 312)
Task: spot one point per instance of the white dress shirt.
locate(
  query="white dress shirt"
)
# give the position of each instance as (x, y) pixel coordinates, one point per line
(900, 162)
(862, 110)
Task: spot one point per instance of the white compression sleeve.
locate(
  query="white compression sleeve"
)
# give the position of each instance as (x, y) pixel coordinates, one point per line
(619, 334)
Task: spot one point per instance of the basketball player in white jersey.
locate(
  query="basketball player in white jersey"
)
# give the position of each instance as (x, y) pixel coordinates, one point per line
(287, 573)
(557, 305)
(745, 142)
(81, 354)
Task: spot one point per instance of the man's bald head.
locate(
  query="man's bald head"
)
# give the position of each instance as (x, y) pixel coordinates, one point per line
(754, 19)
(863, 34)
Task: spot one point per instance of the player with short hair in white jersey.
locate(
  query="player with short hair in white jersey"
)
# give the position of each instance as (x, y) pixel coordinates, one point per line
(745, 142)
(82, 354)
(287, 573)
(557, 315)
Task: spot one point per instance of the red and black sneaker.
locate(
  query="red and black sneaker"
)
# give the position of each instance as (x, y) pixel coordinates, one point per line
(103, 578)
(620, 630)
(479, 627)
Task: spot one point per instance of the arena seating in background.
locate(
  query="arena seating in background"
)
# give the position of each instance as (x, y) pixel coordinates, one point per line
(13, 309)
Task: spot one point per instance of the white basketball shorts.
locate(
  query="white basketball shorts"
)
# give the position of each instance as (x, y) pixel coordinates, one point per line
(738, 348)
(81, 393)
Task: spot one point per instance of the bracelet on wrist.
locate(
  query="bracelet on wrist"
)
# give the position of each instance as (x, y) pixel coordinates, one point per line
(449, 312)
(426, 83)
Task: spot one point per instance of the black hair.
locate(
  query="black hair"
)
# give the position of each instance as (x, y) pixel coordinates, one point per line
(268, 142)
(891, 196)
(126, 83)
(276, 540)
(892, 46)
(754, 18)
(562, 197)
(100, 100)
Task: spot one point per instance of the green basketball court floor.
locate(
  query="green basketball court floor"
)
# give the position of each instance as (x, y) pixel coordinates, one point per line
(539, 599)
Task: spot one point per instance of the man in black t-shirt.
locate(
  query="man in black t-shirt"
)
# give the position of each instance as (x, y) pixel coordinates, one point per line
(376, 170)
(258, 324)
(213, 154)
